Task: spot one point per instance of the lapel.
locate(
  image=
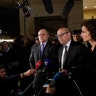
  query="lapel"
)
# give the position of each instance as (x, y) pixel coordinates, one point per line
(70, 49)
(38, 50)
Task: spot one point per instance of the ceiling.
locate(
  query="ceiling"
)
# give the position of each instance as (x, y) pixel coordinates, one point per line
(12, 3)
(89, 4)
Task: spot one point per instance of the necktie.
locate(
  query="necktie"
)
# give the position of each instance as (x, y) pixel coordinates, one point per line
(42, 48)
(64, 55)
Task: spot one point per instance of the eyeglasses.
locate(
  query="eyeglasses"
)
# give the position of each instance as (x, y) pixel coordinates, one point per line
(62, 34)
(41, 34)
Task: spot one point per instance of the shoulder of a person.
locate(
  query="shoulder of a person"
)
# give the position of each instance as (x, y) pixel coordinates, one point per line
(78, 45)
(35, 45)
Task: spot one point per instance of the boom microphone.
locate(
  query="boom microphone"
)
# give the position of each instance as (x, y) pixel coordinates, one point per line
(67, 8)
(25, 8)
(48, 6)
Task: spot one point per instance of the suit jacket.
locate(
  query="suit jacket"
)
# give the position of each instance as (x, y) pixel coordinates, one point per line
(50, 52)
(88, 79)
(76, 58)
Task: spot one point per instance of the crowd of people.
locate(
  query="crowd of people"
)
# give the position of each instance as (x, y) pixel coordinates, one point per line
(68, 60)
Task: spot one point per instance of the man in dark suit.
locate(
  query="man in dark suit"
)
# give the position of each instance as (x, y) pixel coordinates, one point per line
(71, 66)
(37, 59)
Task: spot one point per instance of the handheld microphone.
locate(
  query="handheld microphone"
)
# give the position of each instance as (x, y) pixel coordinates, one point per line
(47, 63)
(39, 64)
(57, 76)
(47, 67)
(48, 6)
(56, 79)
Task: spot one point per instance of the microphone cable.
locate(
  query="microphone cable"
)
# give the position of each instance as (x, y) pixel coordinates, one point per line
(43, 87)
(75, 83)
(22, 93)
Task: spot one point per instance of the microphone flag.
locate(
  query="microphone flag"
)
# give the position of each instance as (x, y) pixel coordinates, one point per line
(47, 63)
(39, 64)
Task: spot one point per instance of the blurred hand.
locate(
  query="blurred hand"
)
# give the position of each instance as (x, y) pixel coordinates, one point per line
(30, 72)
(50, 90)
(64, 72)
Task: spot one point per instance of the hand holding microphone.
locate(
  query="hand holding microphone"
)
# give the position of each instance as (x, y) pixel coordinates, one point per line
(51, 87)
(58, 76)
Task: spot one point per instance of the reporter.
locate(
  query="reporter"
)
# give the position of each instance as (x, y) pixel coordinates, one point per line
(28, 73)
(5, 81)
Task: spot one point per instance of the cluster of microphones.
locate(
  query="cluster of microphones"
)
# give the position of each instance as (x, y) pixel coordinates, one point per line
(47, 64)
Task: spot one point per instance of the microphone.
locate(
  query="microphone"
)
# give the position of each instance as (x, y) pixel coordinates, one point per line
(25, 8)
(47, 63)
(38, 64)
(47, 67)
(26, 12)
(58, 76)
(30, 10)
(48, 6)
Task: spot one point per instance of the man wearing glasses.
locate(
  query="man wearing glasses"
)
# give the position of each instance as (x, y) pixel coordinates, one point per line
(71, 56)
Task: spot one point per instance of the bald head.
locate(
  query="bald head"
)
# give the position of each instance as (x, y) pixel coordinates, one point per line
(43, 35)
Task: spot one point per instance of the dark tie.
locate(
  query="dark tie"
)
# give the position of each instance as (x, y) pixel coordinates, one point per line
(64, 55)
(42, 48)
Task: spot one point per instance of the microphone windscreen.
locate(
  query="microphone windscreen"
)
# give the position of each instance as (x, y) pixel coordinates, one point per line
(56, 79)
(26, 12)
(39, 64)
(48, 6)
(47, 63)
(58, 76)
